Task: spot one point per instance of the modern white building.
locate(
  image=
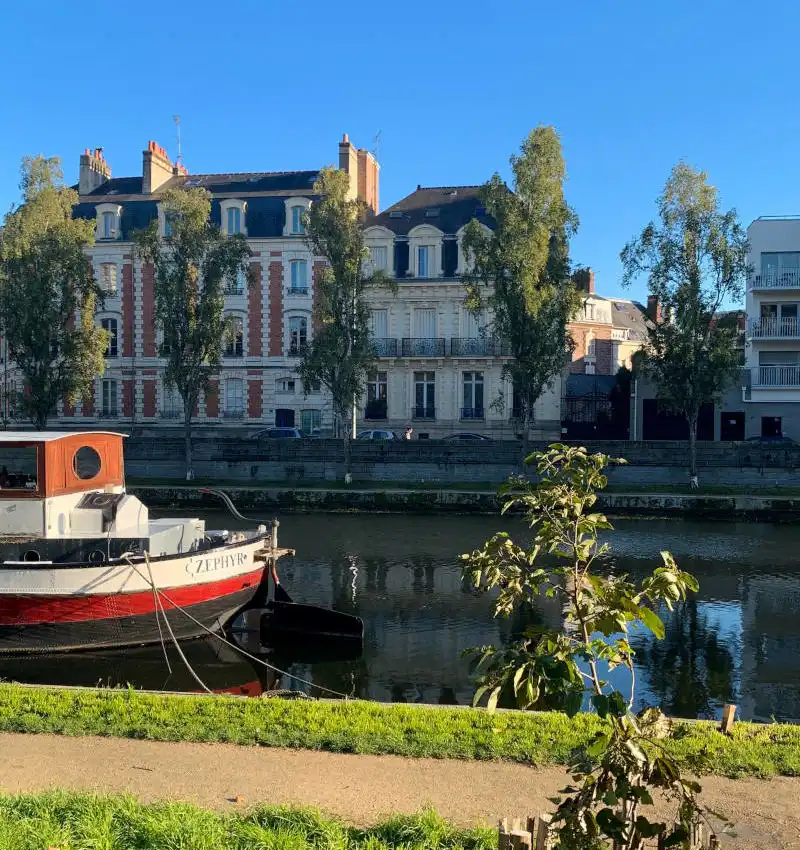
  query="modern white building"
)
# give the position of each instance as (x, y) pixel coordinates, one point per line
(772, 346)
(439, 371)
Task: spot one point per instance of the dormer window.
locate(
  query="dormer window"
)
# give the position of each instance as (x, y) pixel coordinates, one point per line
(422, 261)
(296, 208)
(108, 216)
(233, 216)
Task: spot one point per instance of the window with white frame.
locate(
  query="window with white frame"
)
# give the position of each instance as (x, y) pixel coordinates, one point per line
(423, 261)
(310, 422)
(298, 275)
(424, 395)
(473, 396)
(285, 386)
(379, 324)
(110, 327)
(108, 218)
(377, 394)
(108, 225)
(234, 398)
(424, 323)
(314, 388)
(235, 337)
(233, 221)
(298, 335)
(171, 403)
(379, 256)
(108, 278)
(108, 398)
(237, 284)
(298, 225)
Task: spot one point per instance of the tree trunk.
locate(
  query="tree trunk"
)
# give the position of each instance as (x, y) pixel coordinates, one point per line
(693, 446)
(187, 439)
(346, 436)
(527, 415)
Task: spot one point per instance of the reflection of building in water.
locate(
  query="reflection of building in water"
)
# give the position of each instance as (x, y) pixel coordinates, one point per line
(771, 648)
(418, 620)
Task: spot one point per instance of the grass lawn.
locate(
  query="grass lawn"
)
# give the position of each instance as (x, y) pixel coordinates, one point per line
(80, 822)
(542, 738)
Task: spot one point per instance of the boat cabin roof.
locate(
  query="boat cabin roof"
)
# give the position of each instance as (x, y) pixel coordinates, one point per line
(43, 464)
(49, 436)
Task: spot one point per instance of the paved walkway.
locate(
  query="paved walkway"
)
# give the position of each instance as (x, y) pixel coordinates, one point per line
(360, 789)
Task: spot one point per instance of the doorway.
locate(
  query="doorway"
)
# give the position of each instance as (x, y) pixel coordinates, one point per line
(731, 426)
(284, 418)
(771, 426)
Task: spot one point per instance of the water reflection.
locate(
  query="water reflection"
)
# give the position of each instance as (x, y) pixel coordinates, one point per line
(737, 640)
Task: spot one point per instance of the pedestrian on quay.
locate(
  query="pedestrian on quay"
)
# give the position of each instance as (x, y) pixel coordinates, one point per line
(409, 432)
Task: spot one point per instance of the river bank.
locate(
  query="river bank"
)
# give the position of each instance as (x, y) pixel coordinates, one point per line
(727, 506)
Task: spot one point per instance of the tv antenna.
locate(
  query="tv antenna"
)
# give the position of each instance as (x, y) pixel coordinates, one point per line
(177, 120)
(376, 149)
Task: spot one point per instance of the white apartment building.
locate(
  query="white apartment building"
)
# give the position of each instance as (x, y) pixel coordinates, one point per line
(772, 346)
(438, 370)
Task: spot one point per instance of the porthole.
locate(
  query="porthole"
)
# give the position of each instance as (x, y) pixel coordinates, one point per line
(97, 556)
(31, 555)
(86, 463)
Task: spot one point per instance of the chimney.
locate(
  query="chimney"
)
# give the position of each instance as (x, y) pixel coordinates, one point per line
(654, 309)
(93, 172)
(368, 180)
(348, 162)
(156, 168)
(584, 280)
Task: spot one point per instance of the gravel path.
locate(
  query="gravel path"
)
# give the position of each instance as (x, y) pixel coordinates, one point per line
(360, 789)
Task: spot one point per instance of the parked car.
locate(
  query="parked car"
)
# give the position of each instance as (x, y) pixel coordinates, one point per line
(278, 434)
(772, 442)
(376, 434)
(467, 438)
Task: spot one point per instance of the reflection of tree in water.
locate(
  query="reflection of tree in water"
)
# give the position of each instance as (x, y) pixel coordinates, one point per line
(690, 671)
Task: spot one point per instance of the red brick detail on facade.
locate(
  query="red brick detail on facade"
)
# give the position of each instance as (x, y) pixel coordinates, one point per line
(127, 310)
(254, 399)
(127, 397)
(88, 403)
(581, 333)
(274, 253)
(319, 266)
(148, 311)
(149, 398)
(212, 400)
(68, 407)
(275, 309)
(254, 312)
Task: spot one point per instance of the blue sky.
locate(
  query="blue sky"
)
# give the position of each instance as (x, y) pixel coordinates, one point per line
(453, 88)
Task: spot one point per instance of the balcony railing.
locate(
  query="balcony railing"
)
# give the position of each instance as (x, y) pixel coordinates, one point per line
(233, 414)
(784, 279)
(297, 350)
(108, 413)
(422, 411)
(784, 328)
(385, 347)
(777, 376)
(424, 347)
(297, 290)
(472, 413)
(170, 414)
(478, 347)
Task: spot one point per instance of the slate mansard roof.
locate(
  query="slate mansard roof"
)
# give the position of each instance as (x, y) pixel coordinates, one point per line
(447, 208)
(265, 193)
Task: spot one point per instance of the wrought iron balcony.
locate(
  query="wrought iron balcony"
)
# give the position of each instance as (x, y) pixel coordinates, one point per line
(424, 347)
(472, 413)
(233, 414)
(478, 347)
(772, 279)
(297, 290)
(775, 328)
(777, 377)
(297, 350)
(422, 411)
(385, 347)
(170, 414)
(108, 413)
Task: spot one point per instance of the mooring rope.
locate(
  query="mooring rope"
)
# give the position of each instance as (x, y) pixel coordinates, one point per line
(234, 646)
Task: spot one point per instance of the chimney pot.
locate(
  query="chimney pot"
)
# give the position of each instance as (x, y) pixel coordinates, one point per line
(345, 139)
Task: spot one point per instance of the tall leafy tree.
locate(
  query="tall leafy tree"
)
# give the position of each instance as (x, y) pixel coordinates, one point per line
(521, 269)
(340, 353)
(695, 259)
(193, 265)
(48, 293)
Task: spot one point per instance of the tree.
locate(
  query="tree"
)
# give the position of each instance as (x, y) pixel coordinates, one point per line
(48, 293)
(193, 264)
(341, 352)
(524, 266)
(695, 259)
(625, 764)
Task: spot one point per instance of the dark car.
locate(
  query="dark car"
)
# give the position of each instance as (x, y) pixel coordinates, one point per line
(772, 442)
(278, 434)
(467, 438)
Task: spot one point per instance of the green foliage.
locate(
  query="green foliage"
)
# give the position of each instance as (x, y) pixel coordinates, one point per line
(67, 820)
(340, 352)
(626, 763)
(48, 294)
(539, 738)
(523, 265)
(193, 265)
(695, 259)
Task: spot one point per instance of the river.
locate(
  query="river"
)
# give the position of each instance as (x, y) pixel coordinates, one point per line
(737, 640)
